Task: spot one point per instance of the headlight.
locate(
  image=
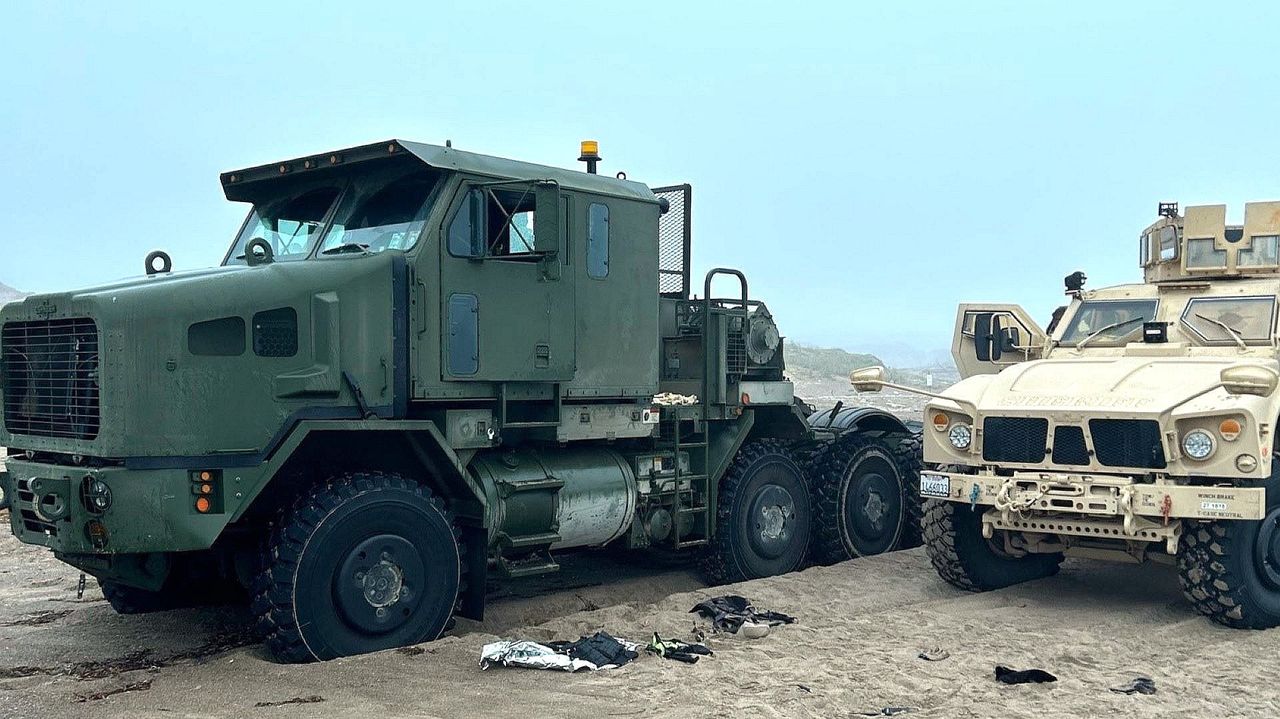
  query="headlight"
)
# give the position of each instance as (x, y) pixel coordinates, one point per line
(1197, 444)
(961, 436)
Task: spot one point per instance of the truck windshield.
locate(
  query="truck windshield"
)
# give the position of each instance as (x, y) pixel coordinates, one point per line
(378, 210)
(291, 225)
(380, 214)
(1108, 322)
(1228, 320)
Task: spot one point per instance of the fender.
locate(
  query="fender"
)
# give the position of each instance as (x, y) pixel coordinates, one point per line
(858, 419)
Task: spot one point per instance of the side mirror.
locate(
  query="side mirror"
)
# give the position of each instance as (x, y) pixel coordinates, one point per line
(868, 379)
(1250, 379)
(546, 218)
(985, 346)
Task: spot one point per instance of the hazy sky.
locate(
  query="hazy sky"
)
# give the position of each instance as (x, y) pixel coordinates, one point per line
(868, 166)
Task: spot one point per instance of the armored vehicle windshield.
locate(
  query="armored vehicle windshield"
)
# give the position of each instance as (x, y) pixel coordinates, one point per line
(370, 211)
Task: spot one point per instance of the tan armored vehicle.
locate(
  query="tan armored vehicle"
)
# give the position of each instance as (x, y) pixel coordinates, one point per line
(1140, 426)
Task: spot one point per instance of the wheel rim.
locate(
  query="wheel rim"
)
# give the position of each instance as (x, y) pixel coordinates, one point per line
(379, 584)
(773, 515)
(872, 506)
(1266, 549)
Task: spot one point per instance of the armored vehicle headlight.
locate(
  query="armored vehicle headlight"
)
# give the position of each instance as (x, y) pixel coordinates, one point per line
(1198, 444)
(961, 436)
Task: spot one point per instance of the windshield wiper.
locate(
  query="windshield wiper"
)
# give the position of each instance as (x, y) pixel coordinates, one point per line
(345, 248)
(1232, 331)
(1113, 326)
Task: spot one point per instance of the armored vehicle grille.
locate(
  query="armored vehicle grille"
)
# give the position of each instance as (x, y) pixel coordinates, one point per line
(25, 506)
(1127, 443)
(1014, 439)
(1068, 446)
(50, 378)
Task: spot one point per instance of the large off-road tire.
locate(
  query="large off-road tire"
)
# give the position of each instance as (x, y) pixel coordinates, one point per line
(1230, 570)
(963, 557)
(763, 516)
(867, 497)
(360, 563)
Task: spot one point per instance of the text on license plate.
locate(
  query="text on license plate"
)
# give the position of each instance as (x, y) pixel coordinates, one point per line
(935, 485)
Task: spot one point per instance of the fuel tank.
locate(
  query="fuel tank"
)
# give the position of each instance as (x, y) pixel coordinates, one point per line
(557, 498)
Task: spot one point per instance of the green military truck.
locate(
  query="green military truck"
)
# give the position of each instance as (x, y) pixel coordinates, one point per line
(418, 370)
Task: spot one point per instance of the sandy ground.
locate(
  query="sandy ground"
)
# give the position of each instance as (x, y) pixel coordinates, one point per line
(853, 652)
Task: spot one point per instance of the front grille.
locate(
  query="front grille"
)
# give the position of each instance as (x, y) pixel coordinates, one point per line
(25, 506)
(1014, 439)
(50, 378)
(1127, 443)
(1068, 445)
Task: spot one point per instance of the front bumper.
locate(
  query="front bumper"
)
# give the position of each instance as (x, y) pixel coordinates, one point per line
(150, 510)
(1091, 505)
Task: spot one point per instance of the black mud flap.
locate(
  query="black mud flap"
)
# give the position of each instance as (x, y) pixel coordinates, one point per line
(6, 491)
(476, 567)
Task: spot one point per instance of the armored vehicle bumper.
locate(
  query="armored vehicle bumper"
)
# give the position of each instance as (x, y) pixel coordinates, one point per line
(1092, 505)
(113, 510)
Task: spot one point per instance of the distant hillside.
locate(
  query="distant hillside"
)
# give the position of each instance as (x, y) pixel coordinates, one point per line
(827, 360)
(8, 294)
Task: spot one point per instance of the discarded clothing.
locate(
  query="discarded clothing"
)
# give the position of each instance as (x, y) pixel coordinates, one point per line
(936, 654)
(677, 650)
(728, 613)
(1137, 685)
(600, 649)
(530, 655)
(1026, 676)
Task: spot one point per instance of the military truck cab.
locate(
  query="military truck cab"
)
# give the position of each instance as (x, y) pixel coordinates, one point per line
(1142, 427)
(416, 369)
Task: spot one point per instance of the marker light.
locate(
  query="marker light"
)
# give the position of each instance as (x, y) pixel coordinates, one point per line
(1198, 444)
(940, 421)
(203, 505)
(1229, 429)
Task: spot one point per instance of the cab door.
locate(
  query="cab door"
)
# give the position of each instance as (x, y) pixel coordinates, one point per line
(990, 337)
(507, 301)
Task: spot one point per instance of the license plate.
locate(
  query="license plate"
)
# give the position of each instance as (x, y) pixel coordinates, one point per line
(935, 485)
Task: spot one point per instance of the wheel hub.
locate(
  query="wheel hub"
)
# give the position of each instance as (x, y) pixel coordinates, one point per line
(773, 513)
(382, 583)
(378, 584)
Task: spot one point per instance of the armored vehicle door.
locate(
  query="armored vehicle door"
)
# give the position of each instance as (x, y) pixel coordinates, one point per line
(990, 337)
(506, 298)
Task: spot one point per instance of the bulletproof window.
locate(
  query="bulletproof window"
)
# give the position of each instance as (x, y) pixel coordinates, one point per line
(1168, 243)
(275, 333)
(1263, 251)
(217, 338)
(1219, 320)
(1114, 321)
(1144, 249)
(598, 240)
(1202, 254)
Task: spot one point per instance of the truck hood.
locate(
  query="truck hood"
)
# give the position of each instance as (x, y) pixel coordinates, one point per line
(1141, 385)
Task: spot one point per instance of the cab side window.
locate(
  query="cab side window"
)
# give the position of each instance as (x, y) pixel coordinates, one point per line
(493, 223)
(598, 240)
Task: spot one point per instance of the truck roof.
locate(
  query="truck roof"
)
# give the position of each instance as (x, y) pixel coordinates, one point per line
(245, 185)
